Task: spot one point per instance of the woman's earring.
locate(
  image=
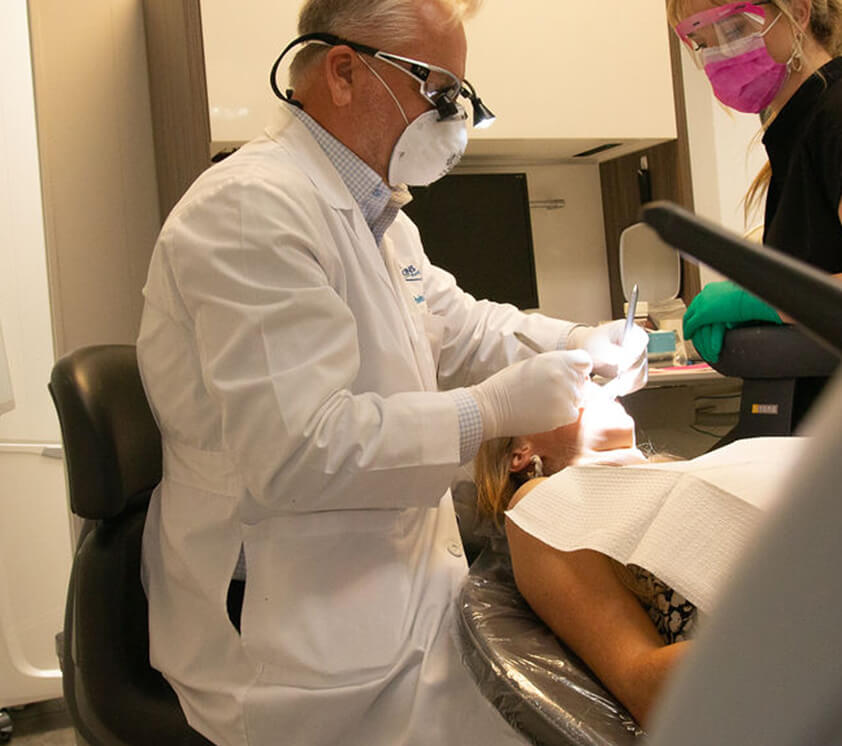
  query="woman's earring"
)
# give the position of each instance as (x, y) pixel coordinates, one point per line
(797, 61)
(537, 467)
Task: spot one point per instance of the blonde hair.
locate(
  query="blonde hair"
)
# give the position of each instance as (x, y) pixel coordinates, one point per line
(496, 483)
(379, 23)
(825, 27)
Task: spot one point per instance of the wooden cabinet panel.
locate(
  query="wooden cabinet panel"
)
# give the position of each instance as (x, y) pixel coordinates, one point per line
(669, 176)
(178, 95)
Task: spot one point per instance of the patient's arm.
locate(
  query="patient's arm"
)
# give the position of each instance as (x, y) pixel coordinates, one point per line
(580, 597)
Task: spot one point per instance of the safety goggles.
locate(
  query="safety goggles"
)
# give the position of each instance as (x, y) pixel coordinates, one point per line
(439, 86)
(723, 31)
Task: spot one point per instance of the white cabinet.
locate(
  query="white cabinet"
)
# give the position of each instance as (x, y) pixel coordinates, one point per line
(241, 41)
(561, 76)
(565, 77)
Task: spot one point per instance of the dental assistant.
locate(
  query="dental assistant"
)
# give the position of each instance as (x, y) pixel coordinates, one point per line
(779, 59)
(317, 383)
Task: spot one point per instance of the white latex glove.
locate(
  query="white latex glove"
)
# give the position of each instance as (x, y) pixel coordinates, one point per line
(614, 357)
(534, 395)
(606, 431)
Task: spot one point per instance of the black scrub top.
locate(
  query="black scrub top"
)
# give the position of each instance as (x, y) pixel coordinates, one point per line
(804, 145)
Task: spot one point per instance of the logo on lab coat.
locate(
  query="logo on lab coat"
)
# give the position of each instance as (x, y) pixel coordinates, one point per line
(412, 274)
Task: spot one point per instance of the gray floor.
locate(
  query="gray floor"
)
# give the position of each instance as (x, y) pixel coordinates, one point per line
(42, 724)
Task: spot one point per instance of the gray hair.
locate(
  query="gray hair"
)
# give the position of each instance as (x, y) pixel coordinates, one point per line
(377, 23)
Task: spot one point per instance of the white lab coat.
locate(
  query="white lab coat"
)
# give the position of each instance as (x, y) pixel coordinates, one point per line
(293, 367)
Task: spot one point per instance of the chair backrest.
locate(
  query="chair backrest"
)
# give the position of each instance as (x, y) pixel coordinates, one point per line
(112, 452)
(112, 444)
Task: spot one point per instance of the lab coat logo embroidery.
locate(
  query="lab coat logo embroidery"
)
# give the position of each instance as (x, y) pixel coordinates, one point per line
(411, 274)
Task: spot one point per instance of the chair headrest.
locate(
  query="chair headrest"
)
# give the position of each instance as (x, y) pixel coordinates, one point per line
(112, 444)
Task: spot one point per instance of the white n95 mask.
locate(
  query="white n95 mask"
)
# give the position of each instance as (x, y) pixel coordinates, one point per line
(428, 148)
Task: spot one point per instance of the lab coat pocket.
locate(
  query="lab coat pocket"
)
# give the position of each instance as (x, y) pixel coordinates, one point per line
(327, 597)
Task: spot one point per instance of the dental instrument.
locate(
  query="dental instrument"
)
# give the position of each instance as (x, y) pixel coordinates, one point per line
(631, 311)
(529, 342)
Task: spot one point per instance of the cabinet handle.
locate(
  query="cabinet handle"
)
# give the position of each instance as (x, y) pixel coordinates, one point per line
(547, 204)
(48, 450)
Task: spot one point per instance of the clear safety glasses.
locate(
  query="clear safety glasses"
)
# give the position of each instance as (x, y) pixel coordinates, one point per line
(439, 86)
(724, 31)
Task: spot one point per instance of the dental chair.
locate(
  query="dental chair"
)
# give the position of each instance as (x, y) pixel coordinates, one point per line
(112, 449)
(540, 686)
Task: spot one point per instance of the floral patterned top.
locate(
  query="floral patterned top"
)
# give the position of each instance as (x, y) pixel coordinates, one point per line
(673, 615)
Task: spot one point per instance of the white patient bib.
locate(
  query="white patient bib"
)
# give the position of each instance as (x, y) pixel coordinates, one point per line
(685, 521)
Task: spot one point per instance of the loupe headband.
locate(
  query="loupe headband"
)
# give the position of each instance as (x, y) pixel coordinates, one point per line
(444, 100)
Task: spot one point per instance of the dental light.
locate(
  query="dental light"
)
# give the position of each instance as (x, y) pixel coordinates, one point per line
(483, 116)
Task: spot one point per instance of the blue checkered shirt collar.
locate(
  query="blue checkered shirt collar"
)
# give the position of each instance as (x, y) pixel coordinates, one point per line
(378, 202)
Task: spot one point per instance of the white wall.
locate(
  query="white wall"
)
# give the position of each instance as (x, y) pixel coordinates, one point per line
(34, 531)
(24, 299)
(725, 155)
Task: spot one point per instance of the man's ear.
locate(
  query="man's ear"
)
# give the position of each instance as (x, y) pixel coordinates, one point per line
(340, 67)
(521, 455)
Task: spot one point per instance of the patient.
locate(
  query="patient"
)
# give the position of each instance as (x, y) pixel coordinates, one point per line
(625, 624)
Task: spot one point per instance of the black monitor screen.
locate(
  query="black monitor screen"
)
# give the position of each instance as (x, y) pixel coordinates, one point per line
(477, 227)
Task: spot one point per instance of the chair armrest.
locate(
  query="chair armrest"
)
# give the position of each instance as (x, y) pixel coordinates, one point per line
(769, 351)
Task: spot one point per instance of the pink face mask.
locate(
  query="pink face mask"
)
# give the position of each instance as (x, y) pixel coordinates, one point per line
(728, 42)
(748, 81)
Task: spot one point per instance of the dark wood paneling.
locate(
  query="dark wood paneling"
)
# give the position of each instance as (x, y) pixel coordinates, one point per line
(179, 95)
(669, 173)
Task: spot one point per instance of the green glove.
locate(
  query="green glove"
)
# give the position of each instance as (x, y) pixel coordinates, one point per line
(721, 306)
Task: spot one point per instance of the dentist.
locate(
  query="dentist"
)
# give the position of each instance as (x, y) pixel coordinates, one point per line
(317, 383)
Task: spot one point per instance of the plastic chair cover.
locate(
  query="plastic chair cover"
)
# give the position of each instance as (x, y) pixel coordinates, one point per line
(542, 688)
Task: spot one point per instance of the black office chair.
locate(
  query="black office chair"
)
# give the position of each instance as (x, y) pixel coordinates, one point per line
(112, 451)
(783, 371)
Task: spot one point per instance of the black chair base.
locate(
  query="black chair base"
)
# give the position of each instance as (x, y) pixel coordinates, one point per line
(773, 407)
